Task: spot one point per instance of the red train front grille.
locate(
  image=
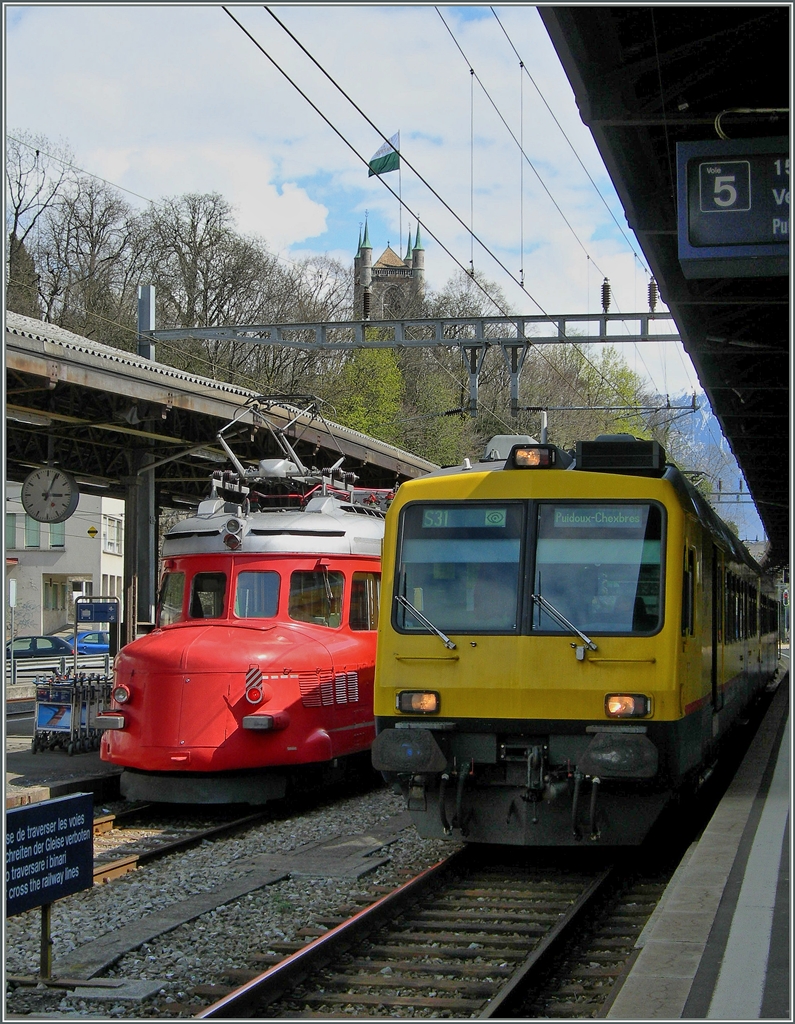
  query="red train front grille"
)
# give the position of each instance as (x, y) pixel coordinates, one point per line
(321, 689)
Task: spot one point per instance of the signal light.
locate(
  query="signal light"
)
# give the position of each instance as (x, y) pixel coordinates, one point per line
(627, 705)
(417, 702)
(121, 693)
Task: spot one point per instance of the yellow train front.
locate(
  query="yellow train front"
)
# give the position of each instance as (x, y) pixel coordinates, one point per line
(563, 644)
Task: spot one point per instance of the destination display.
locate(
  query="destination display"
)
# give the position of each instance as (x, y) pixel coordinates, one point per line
(453, 517)
(49, 851)
(733, 207)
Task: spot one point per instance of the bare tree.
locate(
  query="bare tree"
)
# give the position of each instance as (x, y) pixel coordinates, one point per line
(36, 172)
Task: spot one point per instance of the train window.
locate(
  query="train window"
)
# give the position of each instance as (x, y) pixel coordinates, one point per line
(316, 597)
(207, 595)
(172, 593)
(365, 594)
(460, 566)
(600, 566)
(257, 595)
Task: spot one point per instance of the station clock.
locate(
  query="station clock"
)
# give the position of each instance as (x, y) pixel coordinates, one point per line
(50, 495)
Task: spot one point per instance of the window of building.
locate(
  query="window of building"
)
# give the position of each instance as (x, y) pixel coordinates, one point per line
(112, 535)
(32, 533)
(104, 584)
(57, 535)
(11, 530)
(54, 596)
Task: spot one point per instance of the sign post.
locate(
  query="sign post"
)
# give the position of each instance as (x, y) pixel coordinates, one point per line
(12, 604)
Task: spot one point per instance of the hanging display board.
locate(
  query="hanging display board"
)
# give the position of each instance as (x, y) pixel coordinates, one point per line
(733, 207)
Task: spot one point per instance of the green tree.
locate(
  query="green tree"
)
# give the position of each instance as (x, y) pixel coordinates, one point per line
(368, 391)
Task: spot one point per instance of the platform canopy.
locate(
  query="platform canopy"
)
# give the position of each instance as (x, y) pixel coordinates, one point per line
(646, 78)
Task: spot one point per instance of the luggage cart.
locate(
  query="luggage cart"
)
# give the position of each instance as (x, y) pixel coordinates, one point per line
(57, 716)
(66, 709)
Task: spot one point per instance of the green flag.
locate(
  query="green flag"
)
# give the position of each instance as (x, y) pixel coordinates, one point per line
(387, 158)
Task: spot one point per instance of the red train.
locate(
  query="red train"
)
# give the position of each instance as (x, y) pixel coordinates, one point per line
(263, 655)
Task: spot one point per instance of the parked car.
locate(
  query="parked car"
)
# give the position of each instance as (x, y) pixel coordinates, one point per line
(97, 642)
(39, 647)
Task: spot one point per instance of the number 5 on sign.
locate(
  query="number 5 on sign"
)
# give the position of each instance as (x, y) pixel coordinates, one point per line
(725, 186)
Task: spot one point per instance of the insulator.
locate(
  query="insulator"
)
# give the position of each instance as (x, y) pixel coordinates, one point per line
(605, 295)
(653, 295)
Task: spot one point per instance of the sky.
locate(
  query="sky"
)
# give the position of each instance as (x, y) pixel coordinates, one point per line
(165, 99)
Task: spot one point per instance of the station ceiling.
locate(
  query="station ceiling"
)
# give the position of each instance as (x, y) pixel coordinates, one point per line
(645, 78)
(96, 411)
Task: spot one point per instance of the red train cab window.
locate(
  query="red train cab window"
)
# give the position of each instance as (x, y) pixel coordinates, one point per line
(172, 595)
(316, 597)
(365, 593)
(257, 595)
(208, 590)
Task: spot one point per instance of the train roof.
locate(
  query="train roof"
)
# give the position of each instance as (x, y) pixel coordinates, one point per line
(326, 525)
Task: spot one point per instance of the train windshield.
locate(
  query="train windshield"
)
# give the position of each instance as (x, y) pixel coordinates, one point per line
(257, 595)
(172, 594)
(316, 597)
(460, 567)
(207, 595)
(600, 566)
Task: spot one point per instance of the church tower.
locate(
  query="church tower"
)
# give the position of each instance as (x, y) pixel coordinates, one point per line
(391, 288)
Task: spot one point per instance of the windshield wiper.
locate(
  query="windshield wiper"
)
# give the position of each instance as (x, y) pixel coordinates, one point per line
(561, 619)
(405, 603)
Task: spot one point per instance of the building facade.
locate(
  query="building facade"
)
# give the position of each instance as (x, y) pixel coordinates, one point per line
(54, 563)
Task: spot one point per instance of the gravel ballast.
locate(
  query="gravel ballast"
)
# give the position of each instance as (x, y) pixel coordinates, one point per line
(199, 951)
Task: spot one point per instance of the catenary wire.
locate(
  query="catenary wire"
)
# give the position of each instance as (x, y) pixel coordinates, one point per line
(535, 171)
(608, 383)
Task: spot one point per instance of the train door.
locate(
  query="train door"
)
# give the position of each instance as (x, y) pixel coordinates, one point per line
(716, 630)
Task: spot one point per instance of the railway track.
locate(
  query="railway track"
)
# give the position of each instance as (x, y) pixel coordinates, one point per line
(144, 842)
(465, 938)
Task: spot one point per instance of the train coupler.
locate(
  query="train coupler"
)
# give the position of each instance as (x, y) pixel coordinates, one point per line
(416, 799)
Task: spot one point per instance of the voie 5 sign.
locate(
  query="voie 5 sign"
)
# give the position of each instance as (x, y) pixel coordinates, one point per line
(733, 207)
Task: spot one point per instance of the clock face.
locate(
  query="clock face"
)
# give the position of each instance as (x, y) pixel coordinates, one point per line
(49, 495)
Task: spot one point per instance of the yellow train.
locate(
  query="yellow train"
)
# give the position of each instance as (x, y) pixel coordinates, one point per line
(565, 638)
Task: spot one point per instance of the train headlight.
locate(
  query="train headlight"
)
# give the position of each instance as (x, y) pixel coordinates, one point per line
(417, 702)
(537, 456)
(627, 705)
(121, 693)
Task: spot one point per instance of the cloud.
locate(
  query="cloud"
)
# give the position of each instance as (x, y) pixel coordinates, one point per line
(164, 100)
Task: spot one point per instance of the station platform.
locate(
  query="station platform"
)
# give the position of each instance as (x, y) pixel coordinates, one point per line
(717, 947)
(51, 773)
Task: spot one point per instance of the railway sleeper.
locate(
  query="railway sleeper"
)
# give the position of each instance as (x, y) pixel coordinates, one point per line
(399, 981)
(449, 952)
(362, 999)
(412, 967)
